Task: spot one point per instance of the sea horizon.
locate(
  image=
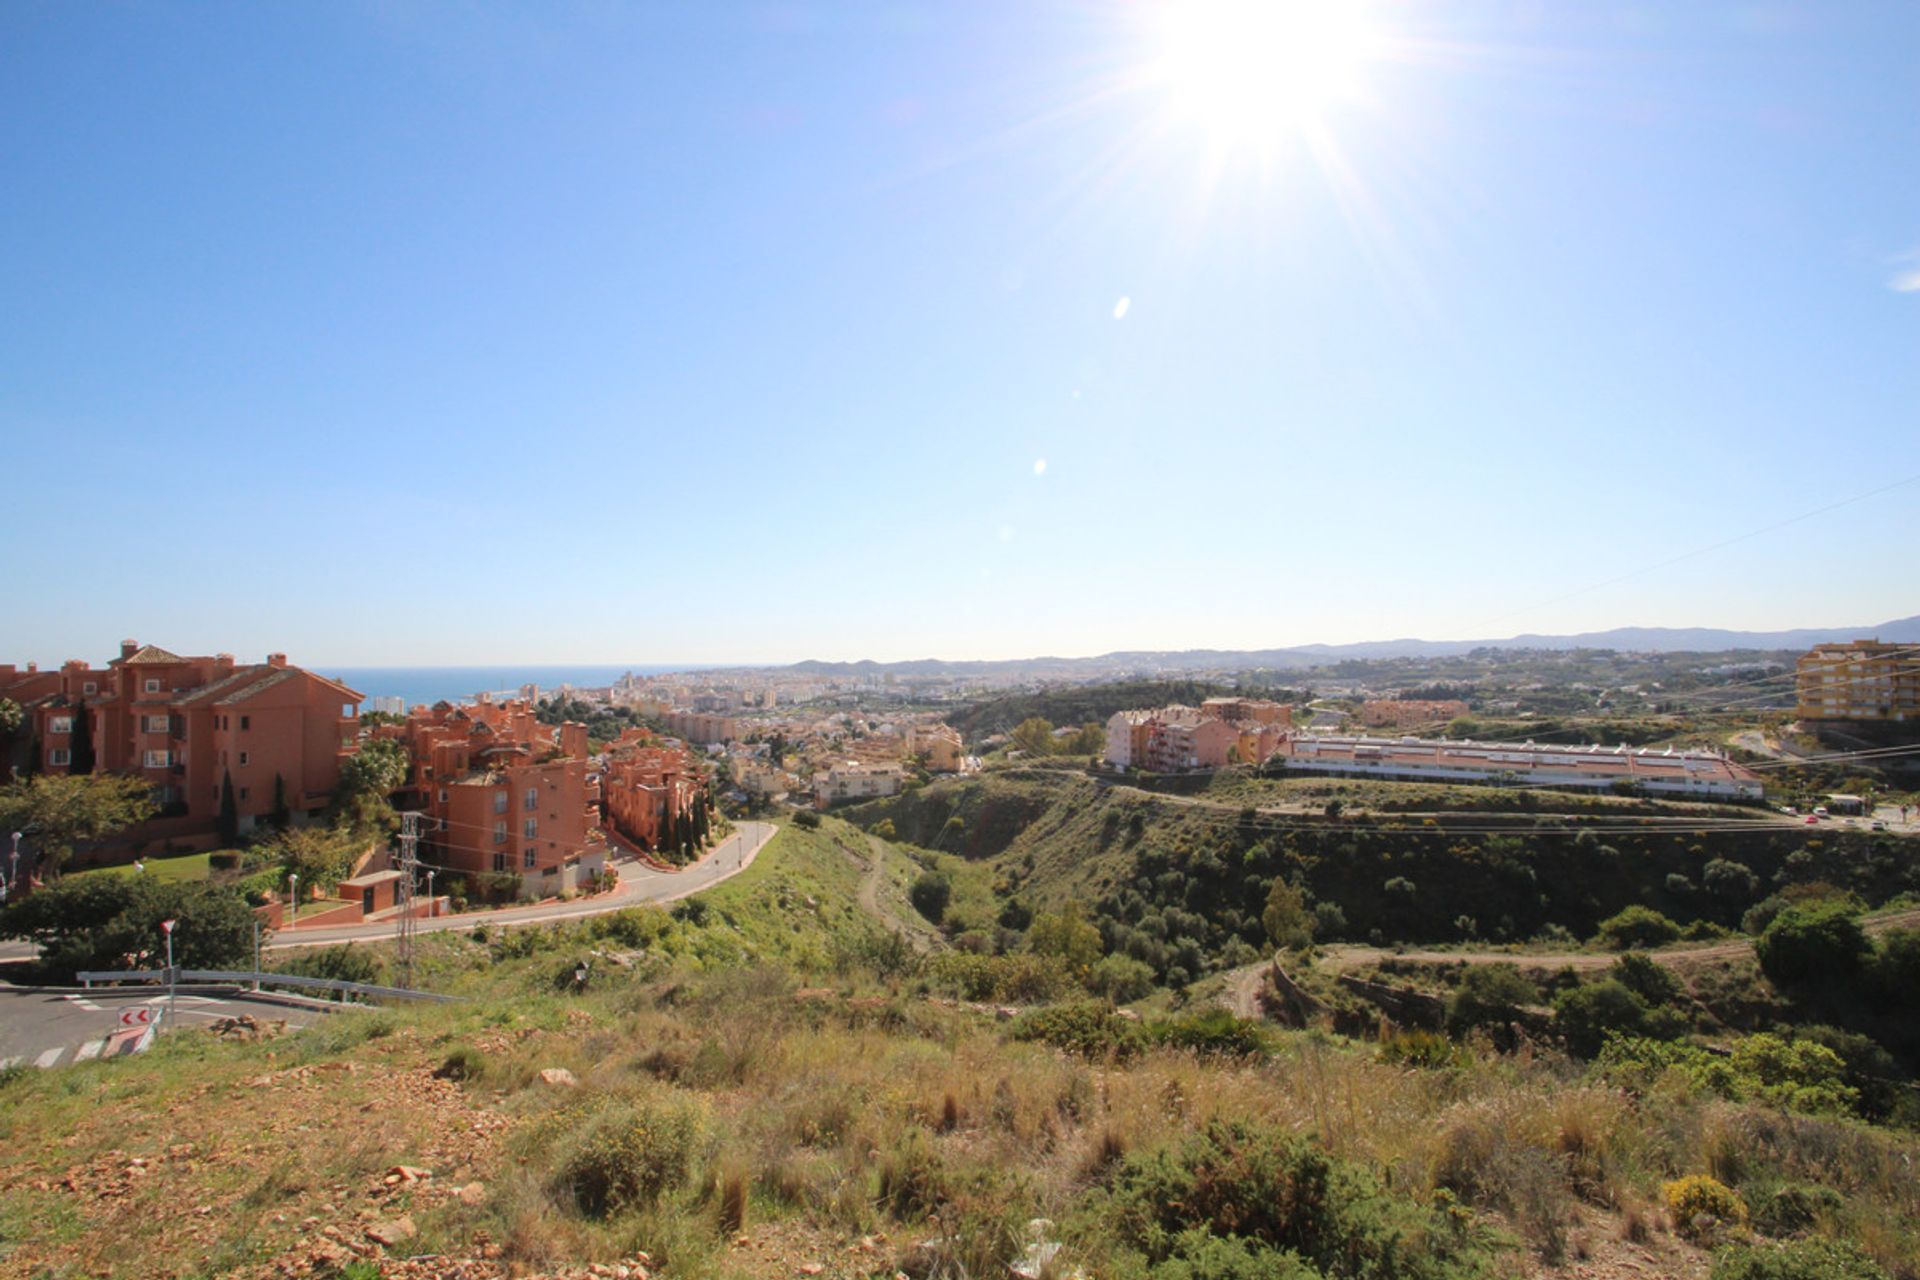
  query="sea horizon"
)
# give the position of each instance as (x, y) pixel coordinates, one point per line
(424, 686)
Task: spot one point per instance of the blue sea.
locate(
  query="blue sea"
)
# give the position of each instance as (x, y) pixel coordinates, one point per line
(424, 686)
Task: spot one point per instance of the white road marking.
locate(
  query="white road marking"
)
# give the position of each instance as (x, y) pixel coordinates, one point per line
(82, 1001)
(91, 1049)
(50, 1057)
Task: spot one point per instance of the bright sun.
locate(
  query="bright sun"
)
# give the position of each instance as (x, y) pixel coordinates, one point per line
(1250, 71)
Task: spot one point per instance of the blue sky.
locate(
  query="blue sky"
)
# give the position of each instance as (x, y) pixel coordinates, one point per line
(418, 333)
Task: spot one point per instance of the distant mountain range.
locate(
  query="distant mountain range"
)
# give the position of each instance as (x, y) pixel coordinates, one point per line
(1626, 639)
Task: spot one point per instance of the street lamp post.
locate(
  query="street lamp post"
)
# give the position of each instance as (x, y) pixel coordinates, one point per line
(430, 906)
(13, 876)
(293, 893)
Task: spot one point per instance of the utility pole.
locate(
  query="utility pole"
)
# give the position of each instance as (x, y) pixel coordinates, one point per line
(256, 953)
(403, 924)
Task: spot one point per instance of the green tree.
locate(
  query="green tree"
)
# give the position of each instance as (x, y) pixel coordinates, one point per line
(80, 745)
(320, 856)
(930, 894)
(1817, 944)
(11, 717)
(1288, 922)
(1067, 935)
(1646, 978)
(884, 829)
(1587, 1015)
(58, 811)
(229, 811)
(1034, 736)
(1489, 995)
(1638, 926)
(377, 769)
(282, 815)
(113, 922)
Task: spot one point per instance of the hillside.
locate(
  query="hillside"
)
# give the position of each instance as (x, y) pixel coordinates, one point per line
(755, 1086)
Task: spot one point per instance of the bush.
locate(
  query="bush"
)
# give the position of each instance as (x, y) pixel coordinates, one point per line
(1648, 979)
(1795, 1207)
(1793, 1075)
(626, 1152)
(1121, 979)
(1417, 1048)
(806, 819)
(1588, 1016)
(1199, 1255)
(464, 1063)
(1214, 1031)
(1637, 926)
(930, 894)
(1688, 1198)
(1086, 1027)
(1820, 943)
(1269, 1197)
(1489, 995)
(344, 963)
(1022, 978)
(1800, 1260)
(1894, 972)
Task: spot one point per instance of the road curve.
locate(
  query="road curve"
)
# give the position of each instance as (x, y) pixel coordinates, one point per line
(639, 884)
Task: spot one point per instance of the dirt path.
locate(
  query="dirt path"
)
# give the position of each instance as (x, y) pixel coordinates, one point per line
(919, 933)
(1241, 992)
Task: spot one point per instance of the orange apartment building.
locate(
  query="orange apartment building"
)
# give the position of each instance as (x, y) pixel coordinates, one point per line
(644, 781)
(185, 725)
(1221, 731)
(502, 792)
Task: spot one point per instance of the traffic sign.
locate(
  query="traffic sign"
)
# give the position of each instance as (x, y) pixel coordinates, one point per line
(139, 1017)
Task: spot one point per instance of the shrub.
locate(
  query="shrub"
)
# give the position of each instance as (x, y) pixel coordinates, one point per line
(464, 1063)
(1121, 979)
(1489, 995)
(1690, 1197)
(344, 963)
(930, 894)
(1800, 1260)
(1277, 1194)
(1817, 943)
(1795, 1207)
(1648, 979)
(1212, 1031)
(1637, 926)
(1086, 1027)
(806, 819)
(1418, 1048)
(625, 1152)
(1794, 1075)
(1894, 972)
(1200, 1255)
(1588, 1016)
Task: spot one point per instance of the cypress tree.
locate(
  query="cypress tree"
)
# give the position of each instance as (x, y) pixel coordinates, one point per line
(282, 816)
(229, 811)
(82, 756)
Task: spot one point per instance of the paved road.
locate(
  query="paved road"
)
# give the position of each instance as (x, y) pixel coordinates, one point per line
(639, 883)
(42, 1028)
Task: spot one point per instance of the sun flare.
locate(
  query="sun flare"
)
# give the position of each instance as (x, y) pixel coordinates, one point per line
(1251, 71)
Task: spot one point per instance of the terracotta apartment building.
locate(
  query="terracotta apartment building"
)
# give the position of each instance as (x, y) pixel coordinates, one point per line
(645, 781)
(502, 792)
(186, 725)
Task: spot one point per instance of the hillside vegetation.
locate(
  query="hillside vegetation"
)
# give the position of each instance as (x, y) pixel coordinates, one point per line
(766, 1081)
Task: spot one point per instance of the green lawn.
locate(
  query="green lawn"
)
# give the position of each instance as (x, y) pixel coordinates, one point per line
(171, 868)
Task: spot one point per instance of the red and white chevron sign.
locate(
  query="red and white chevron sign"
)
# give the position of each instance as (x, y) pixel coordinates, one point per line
(136, 1017)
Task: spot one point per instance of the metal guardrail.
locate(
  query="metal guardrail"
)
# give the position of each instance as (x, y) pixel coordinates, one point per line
(247, 976)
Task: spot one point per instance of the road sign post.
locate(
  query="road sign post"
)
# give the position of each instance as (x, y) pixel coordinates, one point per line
(166, 927)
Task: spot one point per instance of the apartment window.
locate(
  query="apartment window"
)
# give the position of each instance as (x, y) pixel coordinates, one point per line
(526, 859)
(245, 758)
(159, 759)
(153, 686)
(443, 795)
(59, 755)
(156, 724)
(499, 833)
(533, 798)
(246, 722)
(243, 793)
(60, 724)
(529, 829)
(499, 862)
(90, 687)
(499, 802)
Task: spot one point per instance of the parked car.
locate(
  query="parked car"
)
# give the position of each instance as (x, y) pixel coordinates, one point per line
(1878, 825)
(1820, 811)
(1813, 820)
